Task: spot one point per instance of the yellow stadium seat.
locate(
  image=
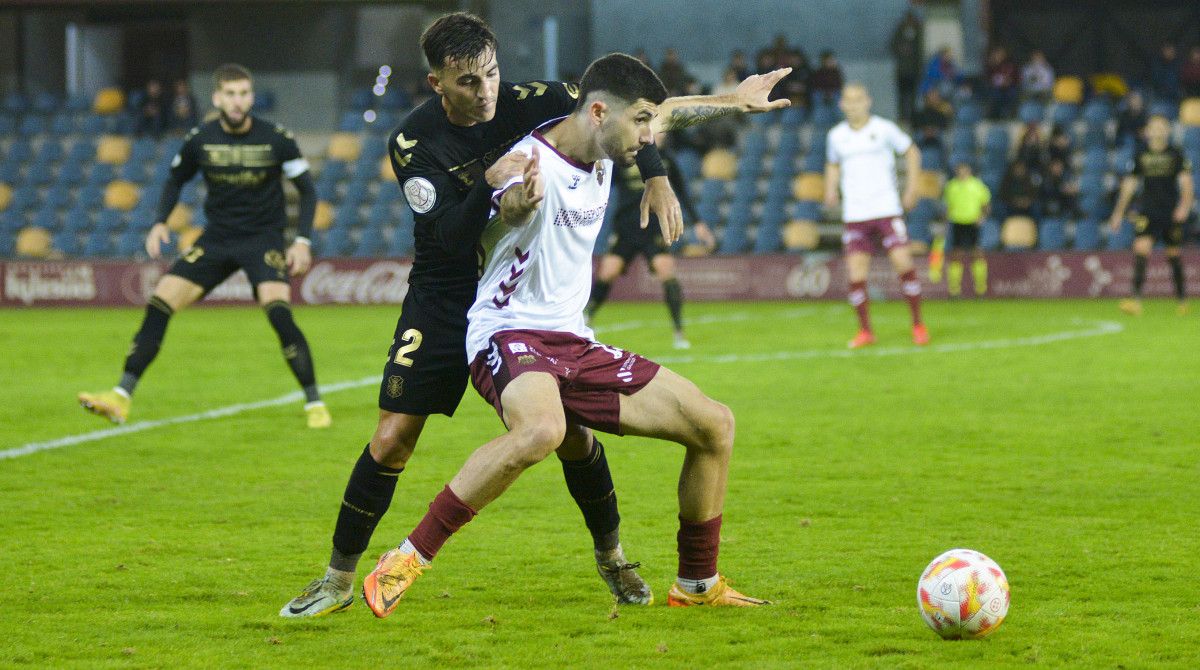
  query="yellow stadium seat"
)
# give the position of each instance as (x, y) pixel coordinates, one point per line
(345, 147)
(929, 184)
(109, 101)
(5, 196)
(122, 195)
(1109, 83)
(1189, 112)
(180, 218)
(719, 164)
(385, 169)
(323, 217)
(694, 251)
(809, 186)
(1068, 90)
(1019, 232)
(33, 242)
(188, 236)
(113, 149)
(801, 235)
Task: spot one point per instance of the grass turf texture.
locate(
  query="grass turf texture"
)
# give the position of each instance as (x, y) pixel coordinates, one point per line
(1072, 463)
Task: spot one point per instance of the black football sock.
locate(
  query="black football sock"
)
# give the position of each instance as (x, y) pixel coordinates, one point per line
(146, 342)
(368, 496)
(590, 484)
(673, 294)
(1139, 274)
(600, 291)
(295, 347)
(1177, 276)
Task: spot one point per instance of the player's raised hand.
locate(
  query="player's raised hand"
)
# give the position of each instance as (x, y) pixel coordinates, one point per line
(299, 258)
(660, 199)
(159, 235)
(754, 90)
(509, 166)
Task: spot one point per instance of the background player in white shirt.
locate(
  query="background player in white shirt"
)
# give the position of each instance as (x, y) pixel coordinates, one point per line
(861, 161)
(534, 357)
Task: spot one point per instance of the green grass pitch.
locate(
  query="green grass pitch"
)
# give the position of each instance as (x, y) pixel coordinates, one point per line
(1060, 438)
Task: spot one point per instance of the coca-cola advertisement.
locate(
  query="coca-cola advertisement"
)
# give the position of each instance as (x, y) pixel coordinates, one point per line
(765, 277)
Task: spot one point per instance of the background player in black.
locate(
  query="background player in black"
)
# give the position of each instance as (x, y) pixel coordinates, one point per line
(243, 159)
(1165, 205)
(443, 155)
(631, 239)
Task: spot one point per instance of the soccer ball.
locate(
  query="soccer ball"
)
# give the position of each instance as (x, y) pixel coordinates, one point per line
(963, 595)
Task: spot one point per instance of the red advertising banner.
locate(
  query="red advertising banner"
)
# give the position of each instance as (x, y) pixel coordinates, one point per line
(768, 277)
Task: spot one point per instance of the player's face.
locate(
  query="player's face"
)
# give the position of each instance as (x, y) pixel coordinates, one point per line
(1158, 131)
(855, 103)
(626, 130)
(233, 99)
(469, 88)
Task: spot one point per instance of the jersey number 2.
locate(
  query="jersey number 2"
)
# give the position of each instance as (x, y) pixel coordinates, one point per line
(413, 337)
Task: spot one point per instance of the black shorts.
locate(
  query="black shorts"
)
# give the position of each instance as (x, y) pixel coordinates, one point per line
(629, 244)
(212, 259)
(427, 370)
(1161, 226)
(964, 236)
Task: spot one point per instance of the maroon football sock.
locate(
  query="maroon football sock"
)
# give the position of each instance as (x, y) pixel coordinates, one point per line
(447, 513)
(910, 286)
(861, 302)
(698, 545)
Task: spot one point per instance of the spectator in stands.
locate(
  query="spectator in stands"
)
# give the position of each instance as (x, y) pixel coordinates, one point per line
(1189, 73)
(1060, 146)
(673, 73)
(152, 115)
(1037, 77)
(1164, 74)
(1001, 75)
(930, 123)
(1131, 119)
(795, 85)
(775, 56)
(942, 73)
(1019, 191)
(738, 64)
(1059, 191)
(826, 81)
(1030, 151)
(183, 106)
(907, 48)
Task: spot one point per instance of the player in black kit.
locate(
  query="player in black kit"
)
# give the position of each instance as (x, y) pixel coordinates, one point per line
(243, 158)
(631, 239)
(1164, 208)
(445, 158)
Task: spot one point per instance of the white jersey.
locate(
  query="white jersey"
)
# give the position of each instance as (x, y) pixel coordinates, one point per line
(867, 157)
(539, 276)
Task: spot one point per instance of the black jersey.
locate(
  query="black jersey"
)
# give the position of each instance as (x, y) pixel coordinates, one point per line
(243, 174)
(438, 164)
(628, 216)
(1160, 172)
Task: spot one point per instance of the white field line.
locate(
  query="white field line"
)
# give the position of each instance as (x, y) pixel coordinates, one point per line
(1096, 330)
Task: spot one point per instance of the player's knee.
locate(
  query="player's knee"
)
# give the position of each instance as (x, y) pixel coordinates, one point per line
(393, 443)
(717, 426)
(535, 441)
(576, 444)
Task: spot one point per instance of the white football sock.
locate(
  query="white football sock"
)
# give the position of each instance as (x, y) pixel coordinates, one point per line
(408, 547)
(696, 585)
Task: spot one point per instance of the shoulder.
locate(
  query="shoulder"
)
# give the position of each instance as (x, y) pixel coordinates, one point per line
(532, 90)
(886, 124)
(422, 121)
(839, 131)
(278, 130)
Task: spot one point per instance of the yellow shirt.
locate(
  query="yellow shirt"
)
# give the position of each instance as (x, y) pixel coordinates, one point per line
(965, 199)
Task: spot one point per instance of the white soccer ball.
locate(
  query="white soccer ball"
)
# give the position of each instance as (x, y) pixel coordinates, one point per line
(963, 595)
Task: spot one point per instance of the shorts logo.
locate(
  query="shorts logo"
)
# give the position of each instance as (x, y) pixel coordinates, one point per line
(526, 359)
(420, 194)
(395, 386)
(518, 347)
(275, 260)
(493, 359)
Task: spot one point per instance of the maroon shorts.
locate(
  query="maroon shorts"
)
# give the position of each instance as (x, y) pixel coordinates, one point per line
(860, 236)
(591, 376)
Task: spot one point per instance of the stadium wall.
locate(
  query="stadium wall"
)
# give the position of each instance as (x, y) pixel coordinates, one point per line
(776, 277)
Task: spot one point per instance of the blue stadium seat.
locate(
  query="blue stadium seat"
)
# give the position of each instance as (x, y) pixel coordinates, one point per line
(754, 143)
(143, 150)
(345, 217)
(989, 234)
(144, 213)
(20, 150)
(333, 242)
(373, 150)
(1097, 111)
(749, 167)
(1122, 239)
(161, 171)
(199, 218)
(1095, 160)
(47, 218)
(58, 196)
(963, 139)
(992, 178)
(70, 174)
(8, 125)
(385, 121)
(734, 239)
(82, 151)
(370, 242)
(818, 143)
(91, 196)
(169, 146)
(33, 125)
(67, 241)
(1095, 136)
(110, 221)
(11, 221)
(784, 166)
(779, 188)
(134, 171)
(326, 189)
(50, 151)
(98, 244)
(333, 171)
(1065, 113)
(996, 140)
(1052, 234)
(814, 162)
(789, 143)
(1191, 138)
(768, 237)
(264, 100)
(39, 174)
(10, 171)
(352, 122)
(967, 114)
(62, 124)
(920, 218)
(932, 160)
(101, 174)
(77, 103)
(825, 116)
(1094, 204)
(24, 197)
(1164, 108)
(395, 97)
(791, 119)
(45, 103)
(712, 192)
(764, 120)
(1091, 183)
(1122, 160)
(1087, 234)
(16, 103)
(688, 162)
(92, 124)
(7, 244)
(131, 243)
(361, 99)
(389, 191)
(807, 209)
(77, 219)
(1031, 111)
(190, 195)
(356, 193)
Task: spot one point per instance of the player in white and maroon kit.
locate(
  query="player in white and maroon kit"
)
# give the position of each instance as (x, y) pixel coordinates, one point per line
(535, 360)
(862, 161)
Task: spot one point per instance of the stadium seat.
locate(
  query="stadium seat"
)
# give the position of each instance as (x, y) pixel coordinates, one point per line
(121, 195)
(919, 220)
(190, 195)
(67, 243)
(996, 140)
(352, 122)
(1097, 111)
(264, 100)
(97, 244)
(967, 114)
(1189, 112)
(807, 210)
(146, 213)
(333, 242)
(1068, 90)
(768, 237)
(1087, 234)
(1191, 139)
(1030, 112)
(8, 125)
(1122, 239)
(1018, 232)
(791, 119)
(33, 242)
(39, 174)
(144, 149)
(1094, 204)
(130, 244)
(1164, 108)
(394, 98)
(58, 196)
(20, 150)
(1095, 160)
(734, 239)
(82, 151)
(789, 143)
(825, 116)
(323, 216)
(370, 242)
(24, 197)
(110, 221)
(801, 235)
(356, 193)
(133, 171)
(113, 149)
(62, 124)
(749, 167)
(50, 151)
(101, 174)
(10, 171)
(1065, 113)
(45, 103)
(109, 101)
(688, 162)
(5, 196)
(11, 221)
(932, 160)
(963, 139)
(783, 166)
(361, 99)
(989, 234)
(344, 146)
(77, 219)
(47, 218)
(76, 104)
(809, 186)
(813, 162)
(1052, 234)
(16, 103)
(1122, 159)
(389, 192)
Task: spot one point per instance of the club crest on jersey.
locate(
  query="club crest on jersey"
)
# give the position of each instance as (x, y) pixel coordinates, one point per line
(395, 386)
(420, 194)
(599, 174)
(574, 182)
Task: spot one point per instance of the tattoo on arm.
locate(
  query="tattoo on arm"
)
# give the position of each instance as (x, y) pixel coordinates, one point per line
(686, 117)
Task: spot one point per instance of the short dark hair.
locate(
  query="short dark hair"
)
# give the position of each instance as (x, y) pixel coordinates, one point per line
(623, 76)
(460, 36)
(230, 72)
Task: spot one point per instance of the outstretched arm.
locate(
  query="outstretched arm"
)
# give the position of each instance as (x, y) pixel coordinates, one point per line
(750, 97)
